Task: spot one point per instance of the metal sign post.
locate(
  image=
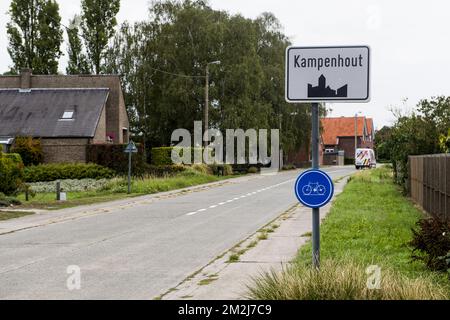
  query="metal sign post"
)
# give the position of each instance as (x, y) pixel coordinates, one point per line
(315, 166)
(130, 149)
(129, 172)
(323, 74)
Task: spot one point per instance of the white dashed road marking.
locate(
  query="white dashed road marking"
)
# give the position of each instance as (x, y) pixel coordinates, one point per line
(239, 198)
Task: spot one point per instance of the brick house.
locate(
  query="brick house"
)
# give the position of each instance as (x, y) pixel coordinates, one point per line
(339, 135)
(66, 112)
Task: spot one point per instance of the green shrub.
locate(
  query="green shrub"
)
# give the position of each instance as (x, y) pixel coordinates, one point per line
(63, 171)
(113, 157)
(29, 149)
(11, 173)
(6, 201)
(163, 156)
(252, 170)
(431, 242)
(15, 157)
(227, 170)
(218, 169)
(79, 185)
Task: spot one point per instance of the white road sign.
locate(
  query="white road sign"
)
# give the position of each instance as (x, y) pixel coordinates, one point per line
(328, 74)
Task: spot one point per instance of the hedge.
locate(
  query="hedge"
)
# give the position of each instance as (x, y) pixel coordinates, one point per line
(113, 157)
(62, 171)
(29, 149)
(11, 173)
(162, 156)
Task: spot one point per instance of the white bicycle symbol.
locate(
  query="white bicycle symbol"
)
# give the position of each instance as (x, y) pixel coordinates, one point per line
(314, 189)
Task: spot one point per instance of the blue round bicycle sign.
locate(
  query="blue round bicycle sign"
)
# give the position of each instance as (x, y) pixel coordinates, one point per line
(314, 188)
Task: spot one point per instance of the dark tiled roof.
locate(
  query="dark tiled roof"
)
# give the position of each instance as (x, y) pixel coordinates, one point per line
(38, 113)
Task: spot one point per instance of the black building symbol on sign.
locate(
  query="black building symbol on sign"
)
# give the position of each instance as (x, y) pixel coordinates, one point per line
(324, 91)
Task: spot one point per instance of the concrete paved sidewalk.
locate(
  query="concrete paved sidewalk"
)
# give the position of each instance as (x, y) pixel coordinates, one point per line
(228, 281)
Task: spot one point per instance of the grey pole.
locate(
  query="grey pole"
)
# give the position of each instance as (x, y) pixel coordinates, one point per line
(58, 190)
(129, 173)
(315, 165)
(206, 108)
(356, 134)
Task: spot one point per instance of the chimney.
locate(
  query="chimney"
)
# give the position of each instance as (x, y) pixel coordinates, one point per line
(25, 79)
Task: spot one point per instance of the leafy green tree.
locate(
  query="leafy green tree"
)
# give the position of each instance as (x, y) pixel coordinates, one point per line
(444, 142)
(35, 35)
(383, 145)
(424, 131)
(30, 150)
(436, 111)
(77, 60)
(162, 62)
(98, 23)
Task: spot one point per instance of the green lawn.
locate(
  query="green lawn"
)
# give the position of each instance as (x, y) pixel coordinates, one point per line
(370, 224)
(6, 215)
(117, 189)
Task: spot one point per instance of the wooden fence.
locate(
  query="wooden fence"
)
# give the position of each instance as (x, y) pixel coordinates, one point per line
(429, 178)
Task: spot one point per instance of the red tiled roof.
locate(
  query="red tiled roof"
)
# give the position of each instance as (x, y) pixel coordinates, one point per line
(340, 127)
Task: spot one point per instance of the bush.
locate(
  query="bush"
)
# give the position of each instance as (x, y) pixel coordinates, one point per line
(113, 157)
(337, 281)
(69, 185)
(252, 170)
(163, 156)
(64, 171)
(431, 242)
(11, 173)
(8, 201)
(29, 149)
(217, 169)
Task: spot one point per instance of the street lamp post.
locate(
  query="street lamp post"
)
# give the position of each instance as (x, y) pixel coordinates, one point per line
(206, 107)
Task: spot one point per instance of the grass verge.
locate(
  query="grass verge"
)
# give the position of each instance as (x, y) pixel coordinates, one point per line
(369, 224)
(7, 215)
(117, 189)
(341, 281)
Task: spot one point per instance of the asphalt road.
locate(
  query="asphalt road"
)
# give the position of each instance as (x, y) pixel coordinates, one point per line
(140, 251)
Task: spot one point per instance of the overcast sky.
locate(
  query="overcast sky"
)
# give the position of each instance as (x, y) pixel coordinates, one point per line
(410, 41)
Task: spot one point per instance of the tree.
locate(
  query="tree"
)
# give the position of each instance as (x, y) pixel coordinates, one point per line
(444, 142)
(30, 150)
(383, 145)
(77, 60)
(162, 62)
(35, 35)
(98, 23)
(437, 111)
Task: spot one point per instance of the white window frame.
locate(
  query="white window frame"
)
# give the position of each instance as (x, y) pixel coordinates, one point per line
(68, 115)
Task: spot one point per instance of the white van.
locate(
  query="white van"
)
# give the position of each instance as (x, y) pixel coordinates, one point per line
(365, 158)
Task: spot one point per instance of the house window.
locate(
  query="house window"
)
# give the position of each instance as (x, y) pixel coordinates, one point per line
(67, 115)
